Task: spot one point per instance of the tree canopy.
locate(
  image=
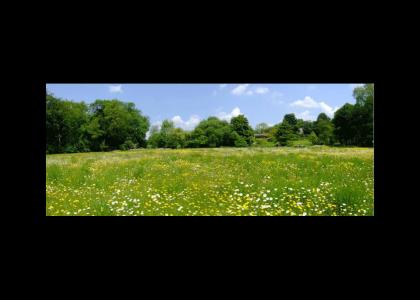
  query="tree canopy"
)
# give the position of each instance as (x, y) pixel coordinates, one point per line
(112, 124)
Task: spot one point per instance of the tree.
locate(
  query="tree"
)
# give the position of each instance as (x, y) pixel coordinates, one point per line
(344, 128)
(65, 121)
(284, 133)
(261, 128)
(363, 112)
(313, 138)
(176, 139)
(241, 126)
(324, 129)
(212, 133)
(307, 127)
(323, 117)
(115, 123)
(354, 123)
(290, 119)
(364, 95)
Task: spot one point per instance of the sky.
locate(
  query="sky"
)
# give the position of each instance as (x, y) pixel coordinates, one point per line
(188, 104)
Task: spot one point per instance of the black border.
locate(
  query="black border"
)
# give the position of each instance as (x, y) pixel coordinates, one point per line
(207, 71)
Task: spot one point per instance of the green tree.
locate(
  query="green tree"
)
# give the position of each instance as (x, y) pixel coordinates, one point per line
(354, 123)
(65, 121)
(241, 126)
(344, 127)
(307, 127)
(290, 119)
(211, 133)
(261, 128)
(284, 133)
(313, 138)
(115, 123)
(324, 129)
(363, 114)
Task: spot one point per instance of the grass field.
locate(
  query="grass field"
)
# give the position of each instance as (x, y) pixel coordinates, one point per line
(314, 181)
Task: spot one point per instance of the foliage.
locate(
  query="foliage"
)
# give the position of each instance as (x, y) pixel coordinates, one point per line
(313, 138)
(104, 125)
(111, 124)
(324, 129)
(284, 133)
(354, 123)
(241, 126)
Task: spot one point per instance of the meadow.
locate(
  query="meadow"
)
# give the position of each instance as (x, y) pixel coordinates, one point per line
(285, 181)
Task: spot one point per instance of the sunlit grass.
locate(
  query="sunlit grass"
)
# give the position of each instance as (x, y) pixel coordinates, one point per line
(314, 181)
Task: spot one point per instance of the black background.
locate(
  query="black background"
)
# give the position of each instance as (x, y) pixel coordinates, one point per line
(237, 56)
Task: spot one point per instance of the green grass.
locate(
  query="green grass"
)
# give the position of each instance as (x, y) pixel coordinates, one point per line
(312, 181)
(300, 143)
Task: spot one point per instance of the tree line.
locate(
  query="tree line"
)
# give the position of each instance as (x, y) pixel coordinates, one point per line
(106, 125)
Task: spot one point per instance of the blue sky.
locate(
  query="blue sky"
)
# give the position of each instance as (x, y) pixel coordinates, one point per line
(187, 104)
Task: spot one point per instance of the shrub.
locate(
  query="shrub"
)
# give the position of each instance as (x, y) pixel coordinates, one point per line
(128, 144)
(299, 143)
(241, 142)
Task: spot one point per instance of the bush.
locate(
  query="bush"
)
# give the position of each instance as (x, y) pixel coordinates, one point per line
(70, 149)
(264, 143)
(241, 142)
(313, 138)
(299, 143)
(128, 144)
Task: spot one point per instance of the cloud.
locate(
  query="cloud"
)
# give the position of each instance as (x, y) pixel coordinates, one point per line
(312, 87)
(241, 89)
(158, 124)
(186, 125)
(355, 85)
(222, 86)
(115, 89)
(306, 115)
(261, 90)
(309, 102)
(244, 89)
(234, 113)
(328, 109)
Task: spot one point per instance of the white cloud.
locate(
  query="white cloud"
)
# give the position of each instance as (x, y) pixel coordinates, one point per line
(158, 124)
(186, 125)
(355, 85)
(241, 89)
(312, 87)
(306, 115)
(244, 89)
(115, 89)
(261, 90)
(309, 102)
(328, 109)
(234, 113)
(222, 86)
